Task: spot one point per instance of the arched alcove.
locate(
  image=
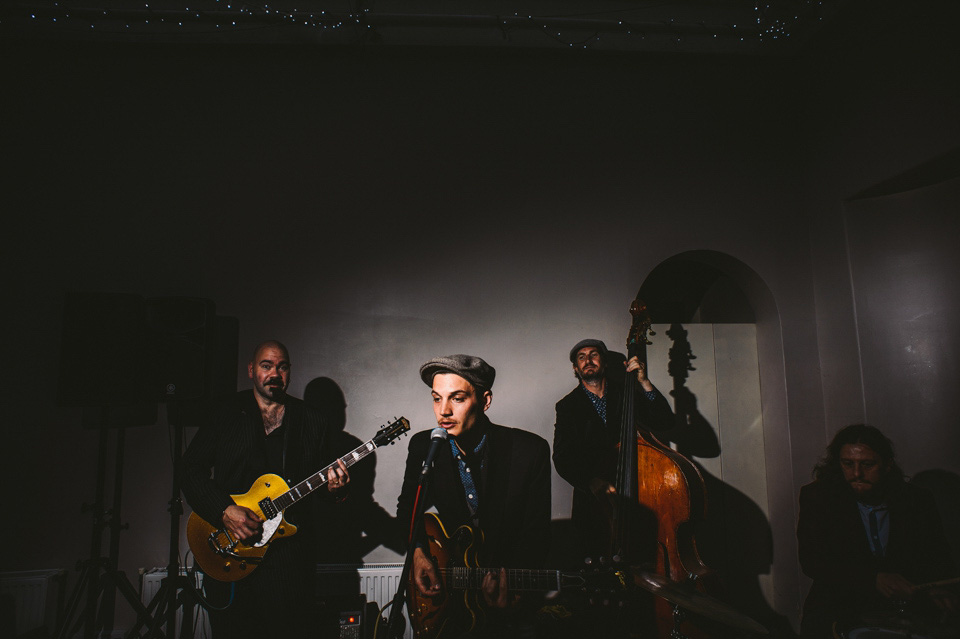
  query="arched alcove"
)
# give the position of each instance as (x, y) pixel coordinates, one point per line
(719, 342)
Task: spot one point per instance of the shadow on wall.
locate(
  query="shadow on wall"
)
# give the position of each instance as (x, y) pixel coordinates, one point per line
(735, 538)
(361, 523)
(945, 486)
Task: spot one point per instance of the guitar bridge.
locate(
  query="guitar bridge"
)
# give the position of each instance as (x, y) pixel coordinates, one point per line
(216, 542)
(217, 545)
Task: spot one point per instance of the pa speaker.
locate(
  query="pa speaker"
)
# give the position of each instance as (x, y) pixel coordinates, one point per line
(183, 329)
(105, 351)
(222, 385)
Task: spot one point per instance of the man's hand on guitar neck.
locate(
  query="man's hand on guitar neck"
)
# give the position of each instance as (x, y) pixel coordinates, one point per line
(425, 574)
(241, 522)
(495, 590)
(337, 477)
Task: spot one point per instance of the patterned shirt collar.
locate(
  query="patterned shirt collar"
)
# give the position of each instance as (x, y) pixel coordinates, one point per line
(599, 403)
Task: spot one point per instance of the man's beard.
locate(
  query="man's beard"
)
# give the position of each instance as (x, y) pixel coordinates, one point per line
(874, 494)
(274, 390)
(594, 376)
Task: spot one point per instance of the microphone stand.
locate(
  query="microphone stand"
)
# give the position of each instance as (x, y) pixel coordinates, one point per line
(395, 623)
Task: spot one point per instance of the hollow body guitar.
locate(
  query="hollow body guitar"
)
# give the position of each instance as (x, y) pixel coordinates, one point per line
(459, 606)
(226, 558)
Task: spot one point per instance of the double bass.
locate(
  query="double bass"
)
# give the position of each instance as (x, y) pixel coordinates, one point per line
(660, 498)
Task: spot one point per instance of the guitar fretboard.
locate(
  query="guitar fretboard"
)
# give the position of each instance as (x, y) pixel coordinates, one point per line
(465, 578)
(319, 479)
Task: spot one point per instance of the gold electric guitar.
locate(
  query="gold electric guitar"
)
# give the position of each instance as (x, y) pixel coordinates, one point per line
(226, 558)
(459, 607)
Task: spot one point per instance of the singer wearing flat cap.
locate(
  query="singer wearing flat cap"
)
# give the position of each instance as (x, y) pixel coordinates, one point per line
(492, 478)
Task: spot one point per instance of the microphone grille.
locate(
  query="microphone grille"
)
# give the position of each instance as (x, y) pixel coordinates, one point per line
(438, 433)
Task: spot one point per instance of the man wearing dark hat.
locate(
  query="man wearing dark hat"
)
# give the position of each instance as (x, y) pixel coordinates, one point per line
(492, 478)
(587, 431)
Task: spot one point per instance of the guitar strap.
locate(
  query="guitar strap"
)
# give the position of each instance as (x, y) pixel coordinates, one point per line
(283, 454)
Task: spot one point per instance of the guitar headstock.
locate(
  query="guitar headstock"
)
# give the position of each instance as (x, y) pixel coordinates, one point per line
(391, 432)
(604, 582)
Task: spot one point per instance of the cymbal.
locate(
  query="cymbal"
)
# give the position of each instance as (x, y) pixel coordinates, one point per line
(903, 623)
(695, 602)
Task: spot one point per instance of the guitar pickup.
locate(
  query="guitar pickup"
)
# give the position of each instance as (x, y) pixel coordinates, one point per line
(267, 508)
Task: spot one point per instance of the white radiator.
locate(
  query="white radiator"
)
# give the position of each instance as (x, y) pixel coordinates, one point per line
(36, 597)
(378, 582)
(150, 586)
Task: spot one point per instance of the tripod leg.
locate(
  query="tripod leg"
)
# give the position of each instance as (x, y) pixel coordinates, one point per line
(152, 612)
(109, 599)
(73, 602)
(187, 601)
(130, 594)
(163, 611)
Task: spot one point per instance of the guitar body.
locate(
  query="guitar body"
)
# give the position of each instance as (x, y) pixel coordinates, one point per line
(459, 607)
(451, 612)
(227, 559)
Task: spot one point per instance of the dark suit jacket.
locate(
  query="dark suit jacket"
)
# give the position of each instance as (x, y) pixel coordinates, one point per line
(835, 553)
(514, 499)
(274, 600)
(584, 447)
(232, 446)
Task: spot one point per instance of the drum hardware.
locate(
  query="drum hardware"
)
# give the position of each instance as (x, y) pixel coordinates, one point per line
(686, 599)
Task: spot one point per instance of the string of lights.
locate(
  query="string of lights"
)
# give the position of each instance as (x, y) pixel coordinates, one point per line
(770, 22)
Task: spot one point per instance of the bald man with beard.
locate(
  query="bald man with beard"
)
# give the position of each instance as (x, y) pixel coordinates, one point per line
(263, 430)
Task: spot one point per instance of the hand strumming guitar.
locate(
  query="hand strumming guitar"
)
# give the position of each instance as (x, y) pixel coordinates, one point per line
(425, 574)
(242, 522)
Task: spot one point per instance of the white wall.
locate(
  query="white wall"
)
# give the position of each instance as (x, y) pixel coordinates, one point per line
(373, 209)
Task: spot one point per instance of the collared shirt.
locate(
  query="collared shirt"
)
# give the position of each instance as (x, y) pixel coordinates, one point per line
(468, 475)
(876, 523)
(600, 403)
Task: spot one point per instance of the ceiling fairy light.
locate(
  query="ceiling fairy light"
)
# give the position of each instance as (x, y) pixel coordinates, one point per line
(637, 27)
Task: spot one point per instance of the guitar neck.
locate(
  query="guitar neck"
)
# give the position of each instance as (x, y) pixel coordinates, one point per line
(319, 479)
(464, 578)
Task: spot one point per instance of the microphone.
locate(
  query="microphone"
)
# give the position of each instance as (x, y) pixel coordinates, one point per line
(437, 437)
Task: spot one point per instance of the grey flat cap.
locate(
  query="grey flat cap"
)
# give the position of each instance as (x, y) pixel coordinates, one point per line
(471, 368)
(600, 346)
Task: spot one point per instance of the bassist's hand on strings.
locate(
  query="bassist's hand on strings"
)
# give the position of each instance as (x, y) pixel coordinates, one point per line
(425, 574)
(241, 522)
(634, 364)
(602, 489)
